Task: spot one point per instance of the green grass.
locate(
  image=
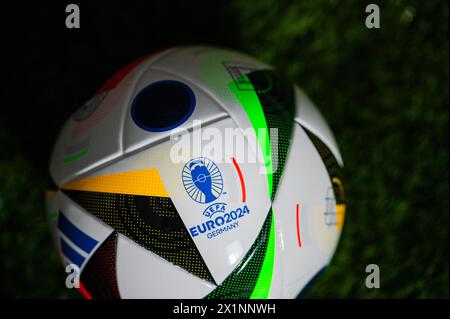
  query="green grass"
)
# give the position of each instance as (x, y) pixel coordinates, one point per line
(384, 93)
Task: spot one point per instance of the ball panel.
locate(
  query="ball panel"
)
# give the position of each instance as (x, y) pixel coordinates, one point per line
(82, 144)
(300, 211)
(152, 222)
(249, 279)
(209, 67)
(335, 216)
(79, 233)
(222, 251)
(216, 71)
(77, 153)
(142, 274)
(99, 276)
(204, 109)
(144, 61)
(275, 101)
(309, 116)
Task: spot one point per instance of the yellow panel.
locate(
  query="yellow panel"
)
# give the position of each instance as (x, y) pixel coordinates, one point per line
(146, 182)
(340, 211)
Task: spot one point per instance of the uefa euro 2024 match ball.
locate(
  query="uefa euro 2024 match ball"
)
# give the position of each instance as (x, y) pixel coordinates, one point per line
(196, 172)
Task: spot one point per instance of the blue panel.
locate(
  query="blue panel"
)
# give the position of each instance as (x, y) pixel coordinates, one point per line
(71, 254)
(82, 240)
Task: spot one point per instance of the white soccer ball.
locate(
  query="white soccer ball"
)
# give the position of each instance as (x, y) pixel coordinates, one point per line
(196, 172)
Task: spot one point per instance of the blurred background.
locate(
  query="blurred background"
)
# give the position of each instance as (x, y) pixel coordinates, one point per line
(383, 91)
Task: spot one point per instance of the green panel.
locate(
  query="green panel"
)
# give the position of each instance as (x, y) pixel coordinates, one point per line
(269, 104)
(250, 102)
(245, 277)
(262, 288)
(277, 101)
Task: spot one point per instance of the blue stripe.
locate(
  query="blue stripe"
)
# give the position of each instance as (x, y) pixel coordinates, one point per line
(71, 254)
(82, 240)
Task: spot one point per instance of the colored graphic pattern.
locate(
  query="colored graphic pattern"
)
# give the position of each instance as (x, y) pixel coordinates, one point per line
(152, 222)
(335, 174)
(146, 182)
(277, 101)
(242, 281)
(74, 237)
(269, 104)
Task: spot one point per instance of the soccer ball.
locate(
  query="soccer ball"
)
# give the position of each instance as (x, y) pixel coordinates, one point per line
(196, 172)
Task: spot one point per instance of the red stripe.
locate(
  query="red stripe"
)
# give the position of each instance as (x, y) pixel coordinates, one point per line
(84, 292)
(244, 198)
(117, 78)
(298, 226)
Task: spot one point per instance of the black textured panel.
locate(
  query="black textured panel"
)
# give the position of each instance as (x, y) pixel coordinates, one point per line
(241, 282)
(278, 102)
(99, 275)
(162, 106)
(333, 168)
(152, 222)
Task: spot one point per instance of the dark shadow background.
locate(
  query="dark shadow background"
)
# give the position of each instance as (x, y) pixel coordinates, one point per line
(384, 92)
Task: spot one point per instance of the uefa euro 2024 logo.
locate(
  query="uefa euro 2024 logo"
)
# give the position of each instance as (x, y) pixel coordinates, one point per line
(202, 180)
